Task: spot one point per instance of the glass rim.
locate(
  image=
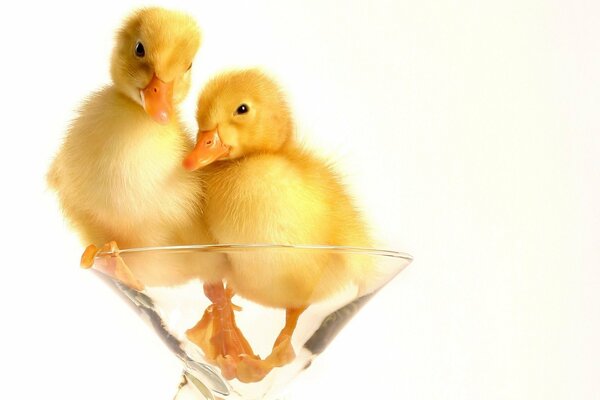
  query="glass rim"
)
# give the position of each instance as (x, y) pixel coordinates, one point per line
(224, 248)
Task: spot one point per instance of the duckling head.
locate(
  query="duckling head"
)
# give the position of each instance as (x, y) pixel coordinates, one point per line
(240, 113)
(152, 59)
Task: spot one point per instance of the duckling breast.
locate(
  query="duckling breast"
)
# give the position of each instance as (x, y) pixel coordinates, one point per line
(125, 167)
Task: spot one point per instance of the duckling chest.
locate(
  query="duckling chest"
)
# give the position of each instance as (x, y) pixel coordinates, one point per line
(137, 178)
(264, 199)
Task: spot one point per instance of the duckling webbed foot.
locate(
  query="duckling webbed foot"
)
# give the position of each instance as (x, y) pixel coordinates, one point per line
(255, 369)
(113, 266)
(218, 335)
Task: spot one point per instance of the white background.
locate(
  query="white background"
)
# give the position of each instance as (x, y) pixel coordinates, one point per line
(469, 132)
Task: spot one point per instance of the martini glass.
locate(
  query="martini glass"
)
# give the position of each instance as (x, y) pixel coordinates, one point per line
(165, 286)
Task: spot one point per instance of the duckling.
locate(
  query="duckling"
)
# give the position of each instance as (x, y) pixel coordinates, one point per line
(118, 174)
(264, 187)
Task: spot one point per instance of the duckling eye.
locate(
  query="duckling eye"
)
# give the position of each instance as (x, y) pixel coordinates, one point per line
(242, 109)
(190, 67)
(139, 50)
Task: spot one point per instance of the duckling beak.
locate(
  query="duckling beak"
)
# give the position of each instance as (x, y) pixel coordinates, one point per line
(209, 148)
(157, 99)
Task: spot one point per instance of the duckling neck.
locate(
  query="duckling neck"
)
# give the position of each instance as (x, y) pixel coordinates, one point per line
(116, 117)
(289, 145)
(129, 108)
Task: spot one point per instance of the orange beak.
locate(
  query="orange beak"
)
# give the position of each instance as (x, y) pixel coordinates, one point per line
(157, 99)
(209, 148)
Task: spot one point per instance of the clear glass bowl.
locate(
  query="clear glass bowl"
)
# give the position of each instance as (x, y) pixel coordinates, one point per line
(168, 286)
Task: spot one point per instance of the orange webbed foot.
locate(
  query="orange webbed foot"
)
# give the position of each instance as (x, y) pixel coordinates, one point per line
(228, 366)
(224, 344)
(283, 352)
(202, 332)
(217, 333)
(254, 369)
(113, 266)
(87, 258)
(251, 370)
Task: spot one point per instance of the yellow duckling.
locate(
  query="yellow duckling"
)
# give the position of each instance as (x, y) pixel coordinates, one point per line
(118, 174)
(263, 187)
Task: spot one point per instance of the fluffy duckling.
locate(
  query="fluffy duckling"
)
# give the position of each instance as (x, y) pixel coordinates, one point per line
(118, 174)
(263, 187)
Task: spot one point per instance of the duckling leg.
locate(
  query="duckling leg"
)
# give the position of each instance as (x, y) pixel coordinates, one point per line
(283, 352)
(113, 266)
(218, 335)
(229, 337)
(254, 370)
